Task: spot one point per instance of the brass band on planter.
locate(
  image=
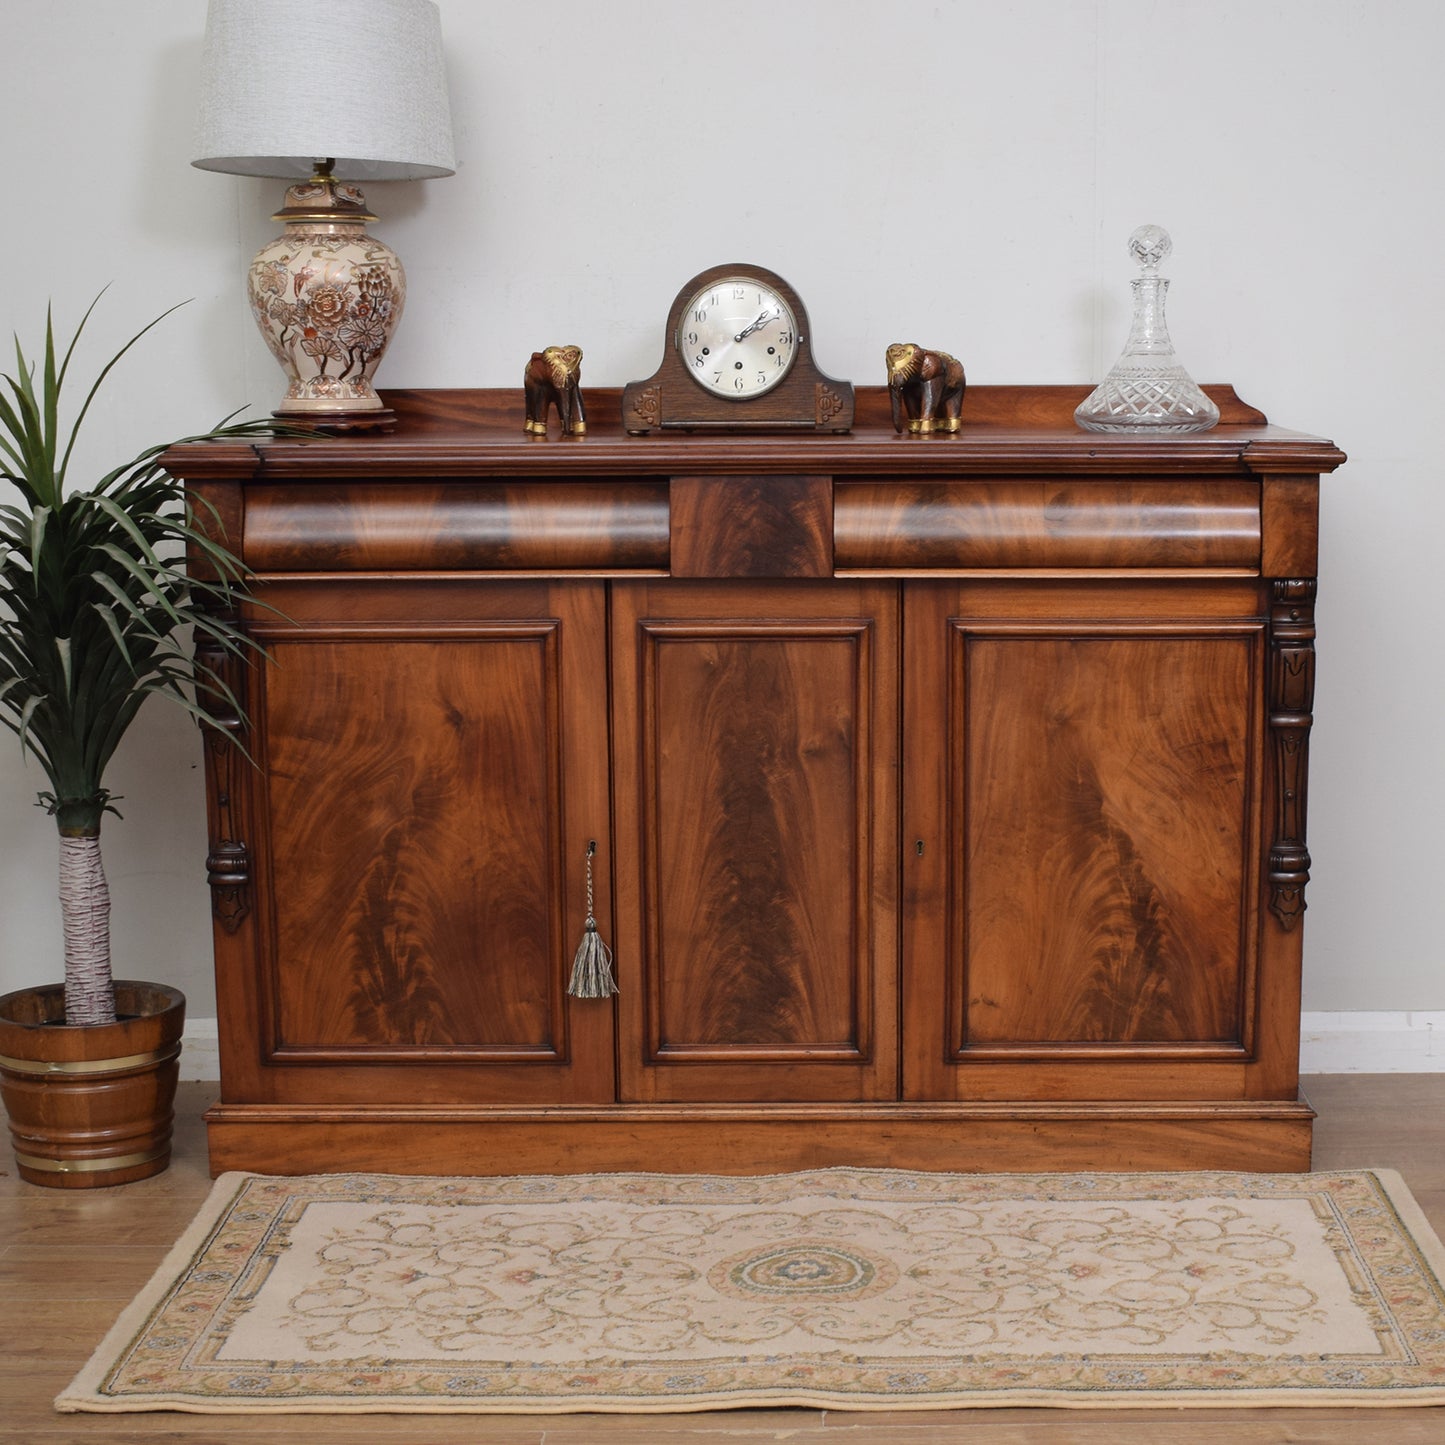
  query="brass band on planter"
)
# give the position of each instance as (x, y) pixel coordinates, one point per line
(89, 1066)
(88, 1166)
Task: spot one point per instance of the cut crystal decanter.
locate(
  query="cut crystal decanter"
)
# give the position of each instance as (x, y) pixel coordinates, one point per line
(1147, 390)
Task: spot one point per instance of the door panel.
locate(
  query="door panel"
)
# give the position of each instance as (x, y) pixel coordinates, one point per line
(400, 873)
(755, 743)
(1102, 794)
(431, 789)
(1089, 889)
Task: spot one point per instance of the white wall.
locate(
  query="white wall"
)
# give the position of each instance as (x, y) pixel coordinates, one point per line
(963, 173)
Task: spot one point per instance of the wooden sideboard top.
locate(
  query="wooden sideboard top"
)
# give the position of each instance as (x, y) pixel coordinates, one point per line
(1008, 430)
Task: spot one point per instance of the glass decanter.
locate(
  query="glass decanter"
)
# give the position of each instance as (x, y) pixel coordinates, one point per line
(1147, 390)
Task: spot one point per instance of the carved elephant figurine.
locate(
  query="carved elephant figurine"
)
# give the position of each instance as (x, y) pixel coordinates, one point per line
(925, 387)
(554, 378)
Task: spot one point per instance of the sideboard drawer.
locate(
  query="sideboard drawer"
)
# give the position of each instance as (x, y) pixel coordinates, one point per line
(964, 526)
(500, 526)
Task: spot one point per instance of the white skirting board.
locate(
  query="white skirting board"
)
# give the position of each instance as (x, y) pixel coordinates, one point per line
(200, 1052)
(1382, 1042)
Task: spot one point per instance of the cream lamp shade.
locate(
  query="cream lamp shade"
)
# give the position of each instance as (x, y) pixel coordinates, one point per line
(328, 95)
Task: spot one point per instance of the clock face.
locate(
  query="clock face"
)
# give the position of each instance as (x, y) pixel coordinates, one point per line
(737, 338)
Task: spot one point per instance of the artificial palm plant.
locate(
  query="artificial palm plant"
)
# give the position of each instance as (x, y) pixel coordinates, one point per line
(94, 597)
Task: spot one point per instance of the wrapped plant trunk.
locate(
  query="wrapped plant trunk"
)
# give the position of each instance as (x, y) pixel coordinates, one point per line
(85, 914)
(85, 922)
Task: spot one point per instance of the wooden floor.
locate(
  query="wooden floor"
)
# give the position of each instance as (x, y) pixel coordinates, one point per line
(70, 1260)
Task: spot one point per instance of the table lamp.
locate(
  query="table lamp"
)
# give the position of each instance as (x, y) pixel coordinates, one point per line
(329, 95)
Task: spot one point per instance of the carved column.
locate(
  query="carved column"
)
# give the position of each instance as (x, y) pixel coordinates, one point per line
(1291, 701)
(228, 861)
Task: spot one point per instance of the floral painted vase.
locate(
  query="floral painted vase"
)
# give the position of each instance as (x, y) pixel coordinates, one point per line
(327, 298)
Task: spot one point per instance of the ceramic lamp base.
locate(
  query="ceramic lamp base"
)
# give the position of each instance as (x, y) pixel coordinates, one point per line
(327, 298)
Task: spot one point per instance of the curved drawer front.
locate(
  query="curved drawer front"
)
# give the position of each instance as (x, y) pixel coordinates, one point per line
(963, 526)
(460, 526)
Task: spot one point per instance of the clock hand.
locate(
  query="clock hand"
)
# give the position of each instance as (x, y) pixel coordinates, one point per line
(763, 318)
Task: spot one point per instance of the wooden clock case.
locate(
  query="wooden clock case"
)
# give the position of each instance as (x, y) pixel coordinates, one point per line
(805, 399)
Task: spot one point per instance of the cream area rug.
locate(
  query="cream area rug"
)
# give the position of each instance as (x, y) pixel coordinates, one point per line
(837, 1288)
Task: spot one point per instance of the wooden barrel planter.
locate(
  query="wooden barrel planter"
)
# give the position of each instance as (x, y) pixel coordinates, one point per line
(95, 1105)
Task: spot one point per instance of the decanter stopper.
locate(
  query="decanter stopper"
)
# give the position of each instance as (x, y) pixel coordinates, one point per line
(1147, 390)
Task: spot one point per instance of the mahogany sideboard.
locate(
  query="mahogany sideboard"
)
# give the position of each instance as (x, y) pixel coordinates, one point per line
(946, 794)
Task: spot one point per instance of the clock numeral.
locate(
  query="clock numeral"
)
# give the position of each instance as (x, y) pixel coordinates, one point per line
(700, 315)
(762, 377)
(740, 293)
(717, 378)
(738, 383)
(691, 338)
(785, 338)
(699, 362)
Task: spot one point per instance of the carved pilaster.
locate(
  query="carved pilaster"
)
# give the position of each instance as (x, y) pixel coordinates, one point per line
(1291, 703)
(228, 860)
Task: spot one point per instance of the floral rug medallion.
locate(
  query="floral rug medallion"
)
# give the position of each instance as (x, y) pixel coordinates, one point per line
(834, 1288)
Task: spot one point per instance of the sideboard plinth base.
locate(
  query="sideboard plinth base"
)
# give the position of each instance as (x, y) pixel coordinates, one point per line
(700, 1139)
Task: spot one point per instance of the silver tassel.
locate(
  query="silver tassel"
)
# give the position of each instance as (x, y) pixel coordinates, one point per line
(592, 966)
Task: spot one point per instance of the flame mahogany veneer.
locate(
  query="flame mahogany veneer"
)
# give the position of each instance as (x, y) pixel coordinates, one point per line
(948, 793)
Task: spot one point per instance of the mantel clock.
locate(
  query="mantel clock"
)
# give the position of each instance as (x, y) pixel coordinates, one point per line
(737, 356)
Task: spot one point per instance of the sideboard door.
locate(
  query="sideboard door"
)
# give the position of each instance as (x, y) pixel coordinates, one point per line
(755, 756)
(1084, 770)
(432, 767)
